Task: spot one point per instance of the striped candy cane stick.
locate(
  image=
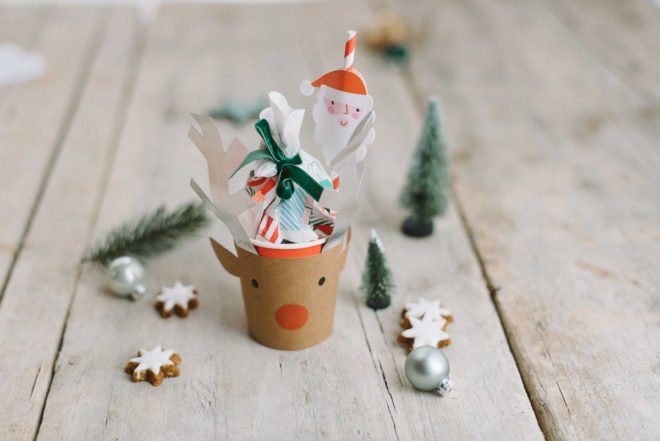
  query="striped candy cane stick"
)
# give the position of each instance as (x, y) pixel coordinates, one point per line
(349, 49)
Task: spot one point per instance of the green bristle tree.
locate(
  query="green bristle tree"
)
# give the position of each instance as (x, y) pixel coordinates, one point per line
(377, 277)
(425, 193)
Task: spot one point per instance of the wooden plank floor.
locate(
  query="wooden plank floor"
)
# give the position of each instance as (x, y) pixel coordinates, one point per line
(548, 255)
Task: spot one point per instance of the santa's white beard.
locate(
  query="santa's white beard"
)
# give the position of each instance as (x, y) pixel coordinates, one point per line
(329, 133)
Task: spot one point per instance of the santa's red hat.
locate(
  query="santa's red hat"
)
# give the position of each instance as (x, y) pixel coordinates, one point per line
(349, 81)
(346, 79)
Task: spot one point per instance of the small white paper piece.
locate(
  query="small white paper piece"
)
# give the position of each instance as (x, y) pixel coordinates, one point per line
(18, 65)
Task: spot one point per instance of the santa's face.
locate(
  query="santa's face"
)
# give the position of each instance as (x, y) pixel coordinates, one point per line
(343, 111)
(337, 115)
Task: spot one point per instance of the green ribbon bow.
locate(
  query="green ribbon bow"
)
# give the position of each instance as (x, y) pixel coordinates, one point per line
(288, 171)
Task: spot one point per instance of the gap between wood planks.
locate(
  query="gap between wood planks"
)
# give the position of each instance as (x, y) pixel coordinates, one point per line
(570, 34)
(72, 106)
(421, 100)
(32, 40)
(118, 122)
(379, 369)
(311, 45)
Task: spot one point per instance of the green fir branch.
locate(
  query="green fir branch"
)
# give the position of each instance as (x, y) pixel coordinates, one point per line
(154, 233)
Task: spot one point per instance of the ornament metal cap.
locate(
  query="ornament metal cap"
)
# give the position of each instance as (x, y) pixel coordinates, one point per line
(446, 386)
(126, 277)
(427, 369)
(139, 293)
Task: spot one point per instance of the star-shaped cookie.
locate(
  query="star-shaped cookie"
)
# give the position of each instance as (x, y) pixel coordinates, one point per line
(425, 332)
(422, 308)
(153, 365)
(177, 299)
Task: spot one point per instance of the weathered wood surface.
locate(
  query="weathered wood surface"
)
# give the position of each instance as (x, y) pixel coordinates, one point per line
(37, 297)
(559, 181)
(556, 174)
(623, 37)
(34, 116)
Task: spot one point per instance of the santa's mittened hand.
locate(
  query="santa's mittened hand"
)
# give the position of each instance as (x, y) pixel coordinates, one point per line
(370, 138)
(365, 133)
(361, 154)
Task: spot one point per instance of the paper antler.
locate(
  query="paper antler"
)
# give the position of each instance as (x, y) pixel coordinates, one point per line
(221, 164)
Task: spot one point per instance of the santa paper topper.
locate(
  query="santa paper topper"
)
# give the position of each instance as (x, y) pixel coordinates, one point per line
(342, 104)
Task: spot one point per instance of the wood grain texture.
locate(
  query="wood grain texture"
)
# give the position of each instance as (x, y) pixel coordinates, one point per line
(560, 187)
(35, 116)
(230, 387)
(623, 37)
(440, 267)
(551, 109)
(38, 295)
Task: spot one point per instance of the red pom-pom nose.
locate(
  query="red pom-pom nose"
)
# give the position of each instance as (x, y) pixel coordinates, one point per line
(291, 316)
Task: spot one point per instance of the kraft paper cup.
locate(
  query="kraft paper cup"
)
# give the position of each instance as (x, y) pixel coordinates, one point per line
(289, 300)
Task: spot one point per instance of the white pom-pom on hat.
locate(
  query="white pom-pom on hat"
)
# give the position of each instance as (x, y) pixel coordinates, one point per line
(306, 88)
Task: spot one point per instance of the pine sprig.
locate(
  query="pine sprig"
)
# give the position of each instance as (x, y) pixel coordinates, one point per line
(152, 234)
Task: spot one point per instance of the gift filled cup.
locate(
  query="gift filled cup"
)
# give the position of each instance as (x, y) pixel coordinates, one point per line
(289, 290)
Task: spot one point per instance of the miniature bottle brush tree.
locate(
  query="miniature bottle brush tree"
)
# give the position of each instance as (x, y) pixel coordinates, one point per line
(425, 192)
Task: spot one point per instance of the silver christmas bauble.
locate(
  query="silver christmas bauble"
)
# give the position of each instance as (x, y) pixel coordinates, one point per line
(126, 277)
(427, 369)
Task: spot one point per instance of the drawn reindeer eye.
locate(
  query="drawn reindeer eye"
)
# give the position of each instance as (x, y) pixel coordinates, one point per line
(255, 283)
(321, 281)
(332, 102)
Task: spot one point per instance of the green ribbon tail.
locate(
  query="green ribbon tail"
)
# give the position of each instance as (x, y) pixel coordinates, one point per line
(254, 155)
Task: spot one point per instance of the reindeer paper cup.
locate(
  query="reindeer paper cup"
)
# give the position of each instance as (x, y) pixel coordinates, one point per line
(289, 301)
(290, 291)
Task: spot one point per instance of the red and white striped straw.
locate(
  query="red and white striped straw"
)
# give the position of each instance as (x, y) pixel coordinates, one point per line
(349, 49)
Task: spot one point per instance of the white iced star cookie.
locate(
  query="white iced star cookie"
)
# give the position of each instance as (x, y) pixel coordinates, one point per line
(425, 332)
(177, 299)
(422, 308)
(153, 365)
